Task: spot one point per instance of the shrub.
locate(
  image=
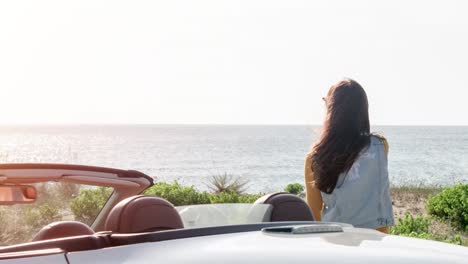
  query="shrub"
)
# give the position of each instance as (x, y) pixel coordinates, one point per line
(294, 188)
(48, 213)
(227, 183)
(178, 194)
(456, 239)
(419, 228)
(451, 204)
(183, 195)
(31, 217)
(65, 191)
(2, 217)
(232, 197)
(41, 215)
(89, 202)
(411, 225)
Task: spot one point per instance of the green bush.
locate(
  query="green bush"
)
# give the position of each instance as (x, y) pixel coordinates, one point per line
(410, 225)
(294, 188)
(178, 194)
(41, 215)
(456, 239)
(426, 236)
(418, 227)
(183, 195)
(32, 217)
(451, 204)
(89, 202)
(232, 197)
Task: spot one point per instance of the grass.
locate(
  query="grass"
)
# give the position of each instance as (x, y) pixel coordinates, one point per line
(410, 200)
(413, 200)
(419, 192)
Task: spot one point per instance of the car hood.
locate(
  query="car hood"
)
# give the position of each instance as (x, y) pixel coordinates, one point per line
(354, 245)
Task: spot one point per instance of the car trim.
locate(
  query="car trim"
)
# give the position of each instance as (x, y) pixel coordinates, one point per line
(54, 166)
(108, 239)
(32, 253)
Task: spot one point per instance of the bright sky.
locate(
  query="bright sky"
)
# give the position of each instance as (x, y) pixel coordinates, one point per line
(230, 62)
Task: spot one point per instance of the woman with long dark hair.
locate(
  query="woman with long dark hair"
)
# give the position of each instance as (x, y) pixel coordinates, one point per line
(346, 171)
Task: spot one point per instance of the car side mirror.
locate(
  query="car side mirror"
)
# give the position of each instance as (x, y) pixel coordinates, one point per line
(17, 194)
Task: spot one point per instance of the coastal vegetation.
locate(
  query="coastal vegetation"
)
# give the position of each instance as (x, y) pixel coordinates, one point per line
(20, 222)
(227, 183)
(423, 212)
(441, 221)
(294, 188)
(186, 195)
(451, 205)
(429, 213)
(89, 202)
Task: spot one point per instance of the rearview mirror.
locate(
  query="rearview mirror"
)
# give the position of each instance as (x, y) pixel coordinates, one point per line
(17, 194)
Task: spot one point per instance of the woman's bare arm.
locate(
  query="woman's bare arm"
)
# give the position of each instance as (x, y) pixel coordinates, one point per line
(314, 198)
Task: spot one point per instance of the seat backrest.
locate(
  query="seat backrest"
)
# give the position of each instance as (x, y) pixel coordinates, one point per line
(286, 207)
(63, 229)
(140, 213)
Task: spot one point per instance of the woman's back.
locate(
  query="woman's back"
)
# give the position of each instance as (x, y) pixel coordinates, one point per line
(346, 170)
(361, 196)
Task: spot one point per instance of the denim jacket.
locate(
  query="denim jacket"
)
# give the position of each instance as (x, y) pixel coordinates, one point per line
(362, 195)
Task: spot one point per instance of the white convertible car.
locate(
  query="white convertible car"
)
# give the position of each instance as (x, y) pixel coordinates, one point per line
(44, 220)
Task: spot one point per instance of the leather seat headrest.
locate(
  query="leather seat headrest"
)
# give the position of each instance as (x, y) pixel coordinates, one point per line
(286, 207)
(143, 214)
(63, 229)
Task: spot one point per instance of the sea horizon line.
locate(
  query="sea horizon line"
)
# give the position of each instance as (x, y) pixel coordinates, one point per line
(210, 124)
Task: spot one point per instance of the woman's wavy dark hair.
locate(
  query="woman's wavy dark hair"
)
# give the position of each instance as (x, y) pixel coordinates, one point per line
(345, 134)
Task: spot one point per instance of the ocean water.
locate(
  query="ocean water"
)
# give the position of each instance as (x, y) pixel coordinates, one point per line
(269, 157)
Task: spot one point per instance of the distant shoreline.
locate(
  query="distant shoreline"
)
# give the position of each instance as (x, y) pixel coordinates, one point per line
(202, 125)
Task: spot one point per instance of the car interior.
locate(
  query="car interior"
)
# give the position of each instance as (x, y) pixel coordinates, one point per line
(139, 219)
(127, 218)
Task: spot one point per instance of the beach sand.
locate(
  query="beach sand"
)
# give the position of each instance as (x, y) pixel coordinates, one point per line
(411, 199)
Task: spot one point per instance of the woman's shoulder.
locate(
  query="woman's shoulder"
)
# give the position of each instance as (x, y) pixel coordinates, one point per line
(377, 139)
(308, 159)
(308, 168)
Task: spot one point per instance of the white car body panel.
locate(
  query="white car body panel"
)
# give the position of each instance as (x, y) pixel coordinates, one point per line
(49, 259)
(354, 245)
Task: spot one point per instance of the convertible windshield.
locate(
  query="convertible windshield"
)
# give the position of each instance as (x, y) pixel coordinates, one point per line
(56, 201)
(206, 215)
